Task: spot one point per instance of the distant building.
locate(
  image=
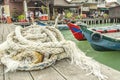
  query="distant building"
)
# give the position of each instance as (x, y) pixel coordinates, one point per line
(114, 9)
(15, 8)
(114, 12)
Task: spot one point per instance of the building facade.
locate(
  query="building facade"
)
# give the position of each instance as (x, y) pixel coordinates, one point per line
(14, 8)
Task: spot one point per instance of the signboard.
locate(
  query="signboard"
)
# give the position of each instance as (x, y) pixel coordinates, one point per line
(77, 1)
(85, 8)
(16, 0)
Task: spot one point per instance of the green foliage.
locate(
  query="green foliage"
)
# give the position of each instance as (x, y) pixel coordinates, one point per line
(105, 15)
(21, 17)
(77, 17)
(81, 16)
(69, 15)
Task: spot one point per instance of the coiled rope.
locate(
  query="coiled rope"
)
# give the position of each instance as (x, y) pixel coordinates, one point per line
(36, 47)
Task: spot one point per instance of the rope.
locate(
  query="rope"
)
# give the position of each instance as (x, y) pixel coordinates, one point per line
(35, 47)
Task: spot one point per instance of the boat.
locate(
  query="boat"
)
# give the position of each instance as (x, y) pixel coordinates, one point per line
(41, 23)
(77, 32)
(102, 41)
(60, 25)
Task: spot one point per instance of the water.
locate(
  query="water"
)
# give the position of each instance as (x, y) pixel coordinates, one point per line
(109, 58)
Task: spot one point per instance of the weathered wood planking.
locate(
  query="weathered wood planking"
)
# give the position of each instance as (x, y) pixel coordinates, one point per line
(72, 72)
(1, 66)
(4, 37)
(1, 28)
(19, 75)
(5, 29)
(1, 38)
(11, 27)
(1, 73)
(47, 74)
(110, 73)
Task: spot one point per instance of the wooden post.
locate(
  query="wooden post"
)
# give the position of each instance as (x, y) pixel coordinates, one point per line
(48, 11)
(25, 9)
(1, 13)
(53, 13)
(98, 21)
(103, 21)
(106, 21)
(109, 20)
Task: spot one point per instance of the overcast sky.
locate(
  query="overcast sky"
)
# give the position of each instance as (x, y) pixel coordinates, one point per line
(111, 0)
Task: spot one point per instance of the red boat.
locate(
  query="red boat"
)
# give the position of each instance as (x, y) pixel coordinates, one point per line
(77, 32)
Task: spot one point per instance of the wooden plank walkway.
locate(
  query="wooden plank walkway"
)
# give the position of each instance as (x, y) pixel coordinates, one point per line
(62, 70)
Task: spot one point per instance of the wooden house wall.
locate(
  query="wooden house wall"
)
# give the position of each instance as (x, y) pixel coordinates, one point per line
(114, 12)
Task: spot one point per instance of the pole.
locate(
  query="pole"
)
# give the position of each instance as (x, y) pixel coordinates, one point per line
(81, 8)
(48, 11)
(25, 9)
(1, 13)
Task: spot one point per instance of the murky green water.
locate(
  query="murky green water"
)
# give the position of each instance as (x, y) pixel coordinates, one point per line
(109, 58)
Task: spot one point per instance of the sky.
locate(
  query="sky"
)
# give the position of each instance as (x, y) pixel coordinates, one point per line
(111, 0)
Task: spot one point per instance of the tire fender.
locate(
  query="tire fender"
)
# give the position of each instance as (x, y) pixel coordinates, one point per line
(96, 36)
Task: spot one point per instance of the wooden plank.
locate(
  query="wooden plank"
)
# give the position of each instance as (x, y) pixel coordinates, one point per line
(110, 73)
(1, 39)
(4, 37)
(19, 75)
(47, 74)
(1, 28)
(8, 28)
(5, 29)
(11, 27)
(1, 73)
(72, 72)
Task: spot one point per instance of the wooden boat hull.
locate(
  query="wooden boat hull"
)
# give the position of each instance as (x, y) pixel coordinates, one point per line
(77, 32)
(99, 41)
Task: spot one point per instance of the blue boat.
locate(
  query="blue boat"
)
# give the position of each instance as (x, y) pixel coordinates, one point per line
(59, 26)
(100, 41)
(41, 23)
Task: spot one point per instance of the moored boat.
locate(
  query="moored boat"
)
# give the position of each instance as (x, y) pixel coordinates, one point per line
(77, 32)
(59, 26)
(102, 42)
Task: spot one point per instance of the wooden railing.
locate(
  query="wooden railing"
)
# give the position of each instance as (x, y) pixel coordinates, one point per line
(90, 21)
(100, 21)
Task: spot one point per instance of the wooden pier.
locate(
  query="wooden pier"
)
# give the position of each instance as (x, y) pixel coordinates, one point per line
(62, 70)
(89, 21)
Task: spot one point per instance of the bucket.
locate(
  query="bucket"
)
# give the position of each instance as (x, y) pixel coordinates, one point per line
(44, 17)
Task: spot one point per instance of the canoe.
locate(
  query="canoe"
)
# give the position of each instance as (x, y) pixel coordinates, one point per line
(77, 32)
(102, 41)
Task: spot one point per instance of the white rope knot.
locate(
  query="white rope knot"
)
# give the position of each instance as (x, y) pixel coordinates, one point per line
(35, 47)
